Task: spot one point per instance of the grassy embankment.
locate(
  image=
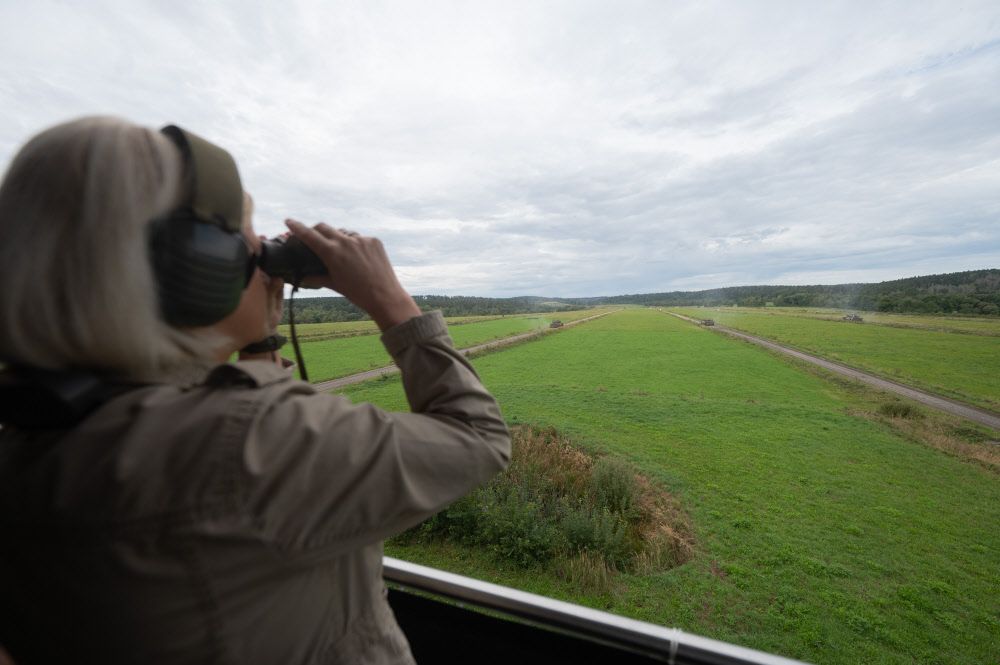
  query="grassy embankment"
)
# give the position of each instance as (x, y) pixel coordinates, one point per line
(330, 358)
(957, 365)
(818, 534)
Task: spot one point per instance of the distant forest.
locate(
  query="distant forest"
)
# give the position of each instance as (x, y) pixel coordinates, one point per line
(971, 292)
(317, 310)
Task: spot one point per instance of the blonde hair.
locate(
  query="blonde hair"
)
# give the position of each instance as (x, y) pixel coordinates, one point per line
(77, 287)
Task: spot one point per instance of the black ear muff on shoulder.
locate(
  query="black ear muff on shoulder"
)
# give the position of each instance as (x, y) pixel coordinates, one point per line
(198, 251)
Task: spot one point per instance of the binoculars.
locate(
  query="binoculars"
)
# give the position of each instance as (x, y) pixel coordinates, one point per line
(289, 259)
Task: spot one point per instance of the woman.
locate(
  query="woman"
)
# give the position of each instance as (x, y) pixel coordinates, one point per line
(194, 510)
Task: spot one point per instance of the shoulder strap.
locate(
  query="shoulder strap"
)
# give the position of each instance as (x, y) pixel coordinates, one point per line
(32, 398)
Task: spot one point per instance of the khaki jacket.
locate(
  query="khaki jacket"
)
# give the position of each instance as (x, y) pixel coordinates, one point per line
(237, 520)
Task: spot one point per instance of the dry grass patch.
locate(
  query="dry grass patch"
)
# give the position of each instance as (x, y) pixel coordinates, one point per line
(962, 442)
(929, 427)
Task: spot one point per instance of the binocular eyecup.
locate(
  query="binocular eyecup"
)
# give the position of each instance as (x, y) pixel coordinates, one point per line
(289, 259)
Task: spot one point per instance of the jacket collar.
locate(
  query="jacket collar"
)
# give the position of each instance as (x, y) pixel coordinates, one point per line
(256, 373)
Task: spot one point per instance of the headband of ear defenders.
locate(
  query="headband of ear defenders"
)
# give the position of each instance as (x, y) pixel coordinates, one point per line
(215, 190)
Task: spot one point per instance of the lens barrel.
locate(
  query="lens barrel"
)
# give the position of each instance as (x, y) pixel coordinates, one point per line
(289, 259)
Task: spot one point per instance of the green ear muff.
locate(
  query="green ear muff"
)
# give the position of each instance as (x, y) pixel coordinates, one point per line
(198, 251)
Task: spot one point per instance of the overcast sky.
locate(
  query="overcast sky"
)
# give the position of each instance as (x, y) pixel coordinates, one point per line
(564, 148)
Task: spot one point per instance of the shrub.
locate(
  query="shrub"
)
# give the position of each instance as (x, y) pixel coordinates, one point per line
(458, 522)
(899, 410)
(514, 528)
(612, 539)
(557, 505)
(614, 486)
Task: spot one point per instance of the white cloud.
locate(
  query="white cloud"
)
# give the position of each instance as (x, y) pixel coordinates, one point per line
(564, 148)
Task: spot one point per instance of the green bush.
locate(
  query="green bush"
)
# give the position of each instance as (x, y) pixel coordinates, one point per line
(614, 486)
(515, 528)
(577, 527)
(899, 410)
(459, 522)
(558, 504)
(599, 531)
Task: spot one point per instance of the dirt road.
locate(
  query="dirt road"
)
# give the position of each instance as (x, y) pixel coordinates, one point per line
(980, 416)
(333, 384)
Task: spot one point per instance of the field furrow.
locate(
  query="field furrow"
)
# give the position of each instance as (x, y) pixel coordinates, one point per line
(961, 366)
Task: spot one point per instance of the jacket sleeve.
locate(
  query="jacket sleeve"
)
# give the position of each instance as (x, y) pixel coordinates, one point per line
(321, 472)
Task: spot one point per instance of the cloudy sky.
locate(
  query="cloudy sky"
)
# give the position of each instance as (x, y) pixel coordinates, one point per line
(564, 148)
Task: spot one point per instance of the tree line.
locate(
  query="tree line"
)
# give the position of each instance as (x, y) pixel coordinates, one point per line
(319, 310)
(971, 292)
(975, 292)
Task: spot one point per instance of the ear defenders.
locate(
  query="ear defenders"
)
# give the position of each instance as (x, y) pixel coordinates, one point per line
(200, 257)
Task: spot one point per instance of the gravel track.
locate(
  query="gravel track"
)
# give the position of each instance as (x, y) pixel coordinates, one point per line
(343, 381)
(981, 416)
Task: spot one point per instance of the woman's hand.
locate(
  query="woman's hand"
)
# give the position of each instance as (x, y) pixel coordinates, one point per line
(358, 267)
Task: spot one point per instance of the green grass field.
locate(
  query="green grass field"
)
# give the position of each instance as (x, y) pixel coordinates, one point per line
(973, 325)
(344, 355)
(331, 330)
(820, 534)
(957, 365)
(310, 331)
(335, 329)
